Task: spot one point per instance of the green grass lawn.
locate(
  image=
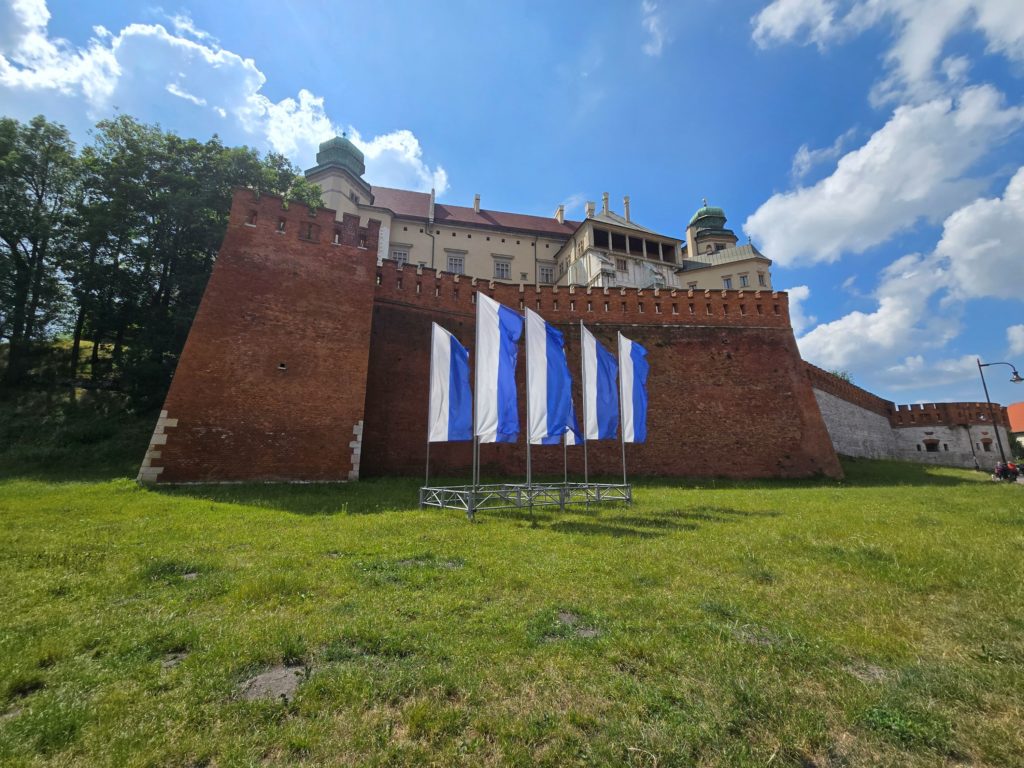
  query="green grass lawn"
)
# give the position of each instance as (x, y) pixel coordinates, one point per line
(877, 621)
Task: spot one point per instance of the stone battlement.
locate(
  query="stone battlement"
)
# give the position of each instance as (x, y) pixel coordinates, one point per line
(268, 215)
(845, 390)
(307, 361)
(443, 291)
(905, 415)
(916, 414)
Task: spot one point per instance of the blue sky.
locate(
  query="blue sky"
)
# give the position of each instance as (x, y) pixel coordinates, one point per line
(874, 149)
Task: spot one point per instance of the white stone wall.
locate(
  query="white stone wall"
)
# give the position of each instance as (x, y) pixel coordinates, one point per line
(954, 445)
(856, 431)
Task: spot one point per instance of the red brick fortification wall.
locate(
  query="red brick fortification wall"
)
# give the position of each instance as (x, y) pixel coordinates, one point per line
(728, 393)
(914, 414)
(851, 393)
(282, 292)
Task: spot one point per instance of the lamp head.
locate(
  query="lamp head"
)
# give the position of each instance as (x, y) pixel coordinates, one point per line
(1016, 378)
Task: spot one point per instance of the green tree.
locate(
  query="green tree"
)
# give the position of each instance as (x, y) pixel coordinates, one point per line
(38, 182)
(153, 217)
(116, 245)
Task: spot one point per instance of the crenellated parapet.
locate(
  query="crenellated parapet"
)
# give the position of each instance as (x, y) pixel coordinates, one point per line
(948, 414)
(828, 382)
(910, 414)
(267, 216)
(443, 291)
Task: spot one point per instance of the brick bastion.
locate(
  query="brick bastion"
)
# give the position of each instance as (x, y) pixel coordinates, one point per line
(307, 361)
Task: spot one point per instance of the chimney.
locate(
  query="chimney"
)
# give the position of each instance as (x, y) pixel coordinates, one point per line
(560, 214)
(625, 207)
(476, 203)
(604, 202)
(590, 209)
(430, 212)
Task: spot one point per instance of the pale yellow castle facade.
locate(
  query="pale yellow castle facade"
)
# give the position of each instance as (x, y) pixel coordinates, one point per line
(605, 249)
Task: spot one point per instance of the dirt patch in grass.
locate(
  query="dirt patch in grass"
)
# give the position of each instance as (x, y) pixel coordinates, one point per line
(169, 570)
(566, 625)
(752, 634)
(430, 562)
(171, 660)
(866, 672)
(278, 683)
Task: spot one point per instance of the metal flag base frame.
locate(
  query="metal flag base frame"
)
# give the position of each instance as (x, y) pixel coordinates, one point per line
(470, 499)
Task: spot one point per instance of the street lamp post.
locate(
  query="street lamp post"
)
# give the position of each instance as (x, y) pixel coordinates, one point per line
(1016, 379)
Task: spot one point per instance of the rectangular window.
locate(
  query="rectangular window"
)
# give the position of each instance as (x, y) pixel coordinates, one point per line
(743, 281)
(401, 255)
(547, 274)
(760, 279)
(727, 282)
(456, 264)
(620, 264)
(502, 269)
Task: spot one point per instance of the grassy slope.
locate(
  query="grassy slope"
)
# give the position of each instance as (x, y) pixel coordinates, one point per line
(874, 622)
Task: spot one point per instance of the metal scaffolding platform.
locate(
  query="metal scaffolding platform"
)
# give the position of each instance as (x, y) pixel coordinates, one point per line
(470, 499)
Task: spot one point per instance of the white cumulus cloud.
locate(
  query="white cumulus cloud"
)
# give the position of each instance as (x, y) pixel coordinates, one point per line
(783, 21)
(806, 158)
(131, 69)
(915, 372)
(798, 317)
(981, 244)
(913, 167)
(900, 325)
(1015, 338)
(921, 300)
(916, 68)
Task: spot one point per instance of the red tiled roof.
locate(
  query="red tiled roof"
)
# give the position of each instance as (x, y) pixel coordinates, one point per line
(1016, 413)
(403, 202)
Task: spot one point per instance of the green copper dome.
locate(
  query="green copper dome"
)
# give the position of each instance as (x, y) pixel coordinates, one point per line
(341, 151)
(708, 217)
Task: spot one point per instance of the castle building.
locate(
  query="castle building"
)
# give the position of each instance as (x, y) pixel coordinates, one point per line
(605, 250)
(308, 358)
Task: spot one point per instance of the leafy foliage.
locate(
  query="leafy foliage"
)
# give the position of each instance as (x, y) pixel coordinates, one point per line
(114, 245)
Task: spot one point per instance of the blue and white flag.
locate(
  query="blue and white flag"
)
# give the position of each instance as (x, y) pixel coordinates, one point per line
(549, 384)
(633, 368)
(498, 330)
(450, 414)
(600, 395)
(574, 435)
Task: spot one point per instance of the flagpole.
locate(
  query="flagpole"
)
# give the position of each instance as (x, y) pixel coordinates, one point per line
(583, 366)
(622, 410)
(426, 473)
(529, 464)
(476, 393)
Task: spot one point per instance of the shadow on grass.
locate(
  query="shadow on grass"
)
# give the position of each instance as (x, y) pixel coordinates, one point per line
(365, 497)
(588, 528)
